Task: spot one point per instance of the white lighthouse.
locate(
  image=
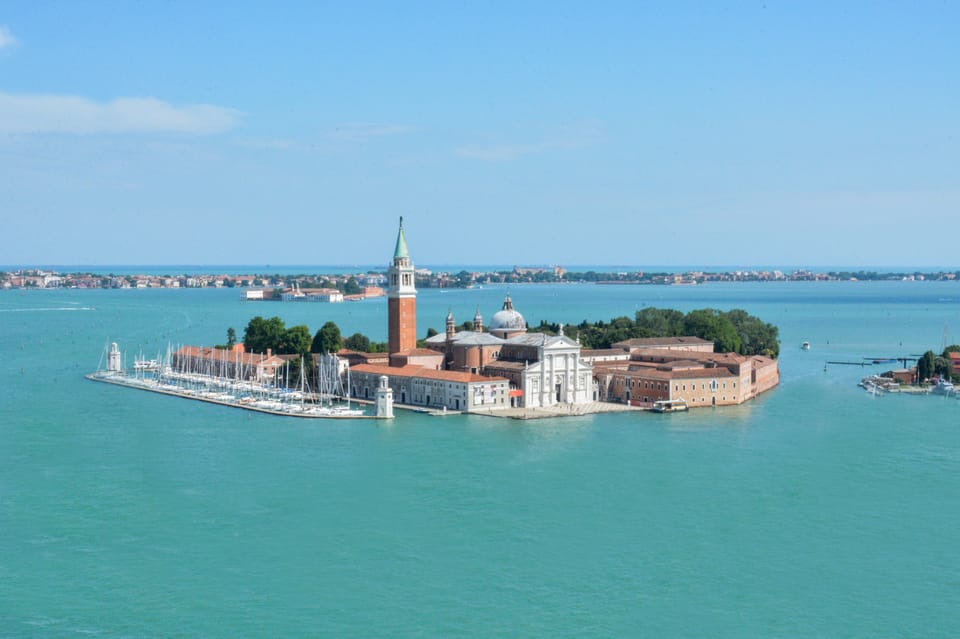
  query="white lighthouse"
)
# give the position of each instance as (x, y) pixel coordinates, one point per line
(384, 399)
(113, 358)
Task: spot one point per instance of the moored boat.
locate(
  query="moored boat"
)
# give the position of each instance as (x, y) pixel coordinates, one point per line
(943, 387)
(669, 406)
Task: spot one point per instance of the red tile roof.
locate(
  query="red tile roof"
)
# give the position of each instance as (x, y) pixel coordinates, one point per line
(222, 355)
(412, 370)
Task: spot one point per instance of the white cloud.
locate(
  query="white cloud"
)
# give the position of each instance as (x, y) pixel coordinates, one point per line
(497, 152)
(74, 114)
(269, 144)
(6, 38)
(575, 135)
(361, 131)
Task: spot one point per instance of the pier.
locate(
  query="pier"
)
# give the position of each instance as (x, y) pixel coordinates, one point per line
(304, 410)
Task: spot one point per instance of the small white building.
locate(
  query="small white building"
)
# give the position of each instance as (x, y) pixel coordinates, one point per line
(253, 294)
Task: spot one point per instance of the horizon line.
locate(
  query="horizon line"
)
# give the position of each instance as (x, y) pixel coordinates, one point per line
(493, 267)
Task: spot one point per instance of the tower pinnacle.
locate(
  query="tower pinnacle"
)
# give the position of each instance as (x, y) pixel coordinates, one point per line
(401, 250)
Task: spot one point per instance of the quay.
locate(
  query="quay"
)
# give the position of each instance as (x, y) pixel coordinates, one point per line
(311, 412)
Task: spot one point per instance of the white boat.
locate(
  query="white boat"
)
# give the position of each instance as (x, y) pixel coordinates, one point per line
(943, 387)
(669, 406)
(144, 364)
(805, 346)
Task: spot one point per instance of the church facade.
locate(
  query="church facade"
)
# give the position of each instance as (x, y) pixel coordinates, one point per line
(543, 370)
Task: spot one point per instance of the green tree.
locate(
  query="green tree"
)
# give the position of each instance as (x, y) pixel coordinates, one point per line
(709, 324)
(943, 366)
(659, 322)
(926, 365)
(357, 342)
(296, 340)
(327, 339)
(756, 336)
(352, 287)
(231, 337)
(262, 334)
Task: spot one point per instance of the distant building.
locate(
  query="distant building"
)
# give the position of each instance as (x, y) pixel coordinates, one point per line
(698, 377)
(253, 294)
(683, 343)
(297, 294)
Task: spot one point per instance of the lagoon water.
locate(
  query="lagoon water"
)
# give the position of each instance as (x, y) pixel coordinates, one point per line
(816, 510)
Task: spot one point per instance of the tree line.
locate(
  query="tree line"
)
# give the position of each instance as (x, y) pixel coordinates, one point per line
(931, 365)
(272, 334)
(734, 330)
(730, 331)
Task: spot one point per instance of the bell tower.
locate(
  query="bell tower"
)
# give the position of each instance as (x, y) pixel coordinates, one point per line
(401, 299)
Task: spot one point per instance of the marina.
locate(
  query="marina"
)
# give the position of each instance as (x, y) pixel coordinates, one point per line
(204, 381)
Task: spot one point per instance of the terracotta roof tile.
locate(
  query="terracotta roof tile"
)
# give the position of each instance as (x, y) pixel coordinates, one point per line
(412, 370)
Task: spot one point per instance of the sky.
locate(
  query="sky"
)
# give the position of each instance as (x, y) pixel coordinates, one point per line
(671, 133)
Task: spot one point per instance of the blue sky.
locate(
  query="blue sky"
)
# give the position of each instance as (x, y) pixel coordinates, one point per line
(504, 133)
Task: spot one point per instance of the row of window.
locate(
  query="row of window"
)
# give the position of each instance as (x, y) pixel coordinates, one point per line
(713, 386)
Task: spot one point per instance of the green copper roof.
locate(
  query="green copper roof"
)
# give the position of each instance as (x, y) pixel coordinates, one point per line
(401, 250)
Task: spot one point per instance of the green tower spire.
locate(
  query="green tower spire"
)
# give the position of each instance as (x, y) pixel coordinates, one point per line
(401, 250)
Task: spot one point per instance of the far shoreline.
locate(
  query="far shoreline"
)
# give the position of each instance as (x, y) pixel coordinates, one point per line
(349, 280)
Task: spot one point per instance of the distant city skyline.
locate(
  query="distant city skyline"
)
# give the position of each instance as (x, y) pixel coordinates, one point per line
(166, 133)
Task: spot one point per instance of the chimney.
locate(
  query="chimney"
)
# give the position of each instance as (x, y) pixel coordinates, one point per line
(269, 352)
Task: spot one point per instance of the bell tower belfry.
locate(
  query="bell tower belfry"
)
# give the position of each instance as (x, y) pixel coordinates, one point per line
(401, 299)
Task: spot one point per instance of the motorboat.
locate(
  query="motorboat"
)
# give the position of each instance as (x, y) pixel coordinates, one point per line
(669, 406)
(943, 387)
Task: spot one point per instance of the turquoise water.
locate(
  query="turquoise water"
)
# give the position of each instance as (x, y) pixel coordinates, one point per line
(817, 510)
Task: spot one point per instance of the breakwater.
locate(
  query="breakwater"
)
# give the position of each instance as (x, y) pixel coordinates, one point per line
(270, 407)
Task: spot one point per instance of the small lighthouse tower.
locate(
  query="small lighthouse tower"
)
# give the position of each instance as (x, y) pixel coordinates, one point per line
(384, 399)
(113, 358)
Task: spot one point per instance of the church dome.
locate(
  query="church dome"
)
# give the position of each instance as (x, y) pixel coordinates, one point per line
(507, 318)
